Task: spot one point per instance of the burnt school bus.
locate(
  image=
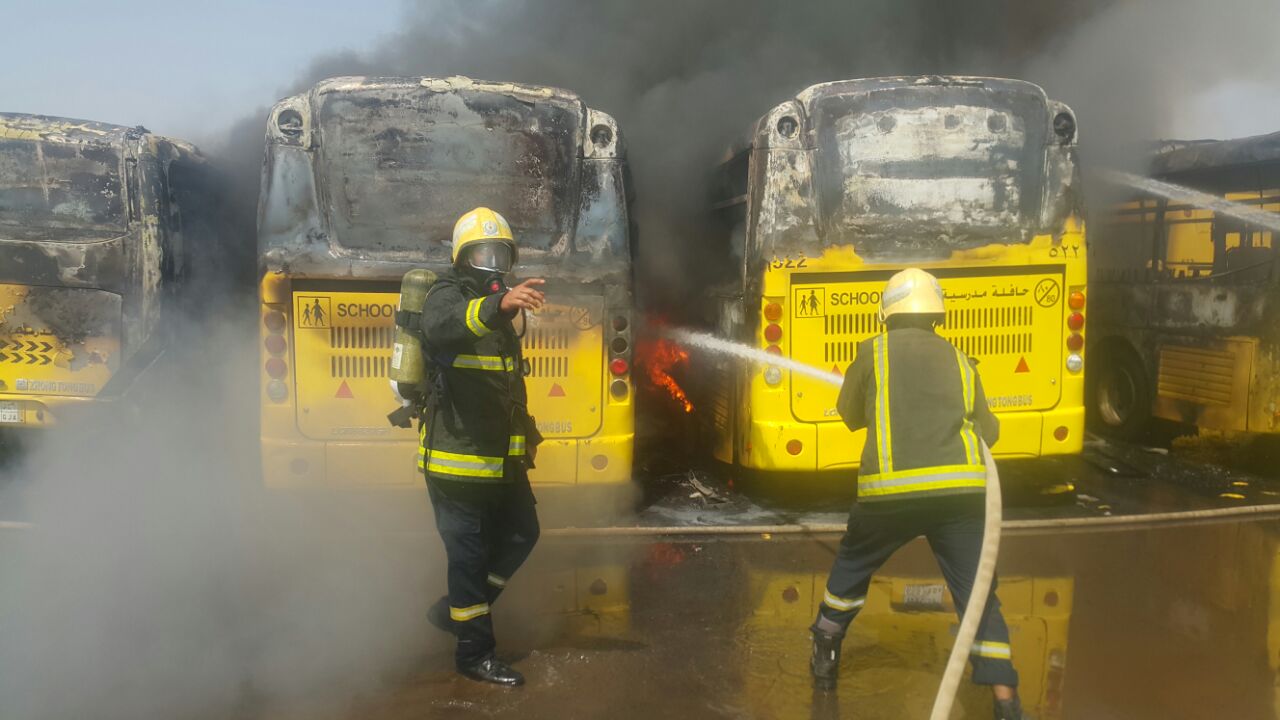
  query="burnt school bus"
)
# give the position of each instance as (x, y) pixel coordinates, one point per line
(1188, 323)
(98, 228)
(837, 189)
(363, 181)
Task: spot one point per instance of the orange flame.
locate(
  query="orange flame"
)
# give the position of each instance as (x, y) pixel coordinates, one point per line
(660, 357)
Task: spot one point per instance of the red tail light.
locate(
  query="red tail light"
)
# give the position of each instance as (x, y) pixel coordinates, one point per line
(276, 368)
(773, 350)
(1075, 342)
(1075, 321)
(773, 332)
(618, 366)
(275, 344)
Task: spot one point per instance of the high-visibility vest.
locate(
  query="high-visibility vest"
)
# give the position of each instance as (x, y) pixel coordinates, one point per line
(919, 398)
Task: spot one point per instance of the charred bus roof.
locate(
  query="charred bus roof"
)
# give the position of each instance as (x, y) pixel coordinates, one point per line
(388, 164)
(1184, 155)
(922, 165)
(22, 126)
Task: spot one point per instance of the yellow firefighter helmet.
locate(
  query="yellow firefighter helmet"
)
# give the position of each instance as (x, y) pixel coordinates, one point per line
(478, 239)
(911, 292)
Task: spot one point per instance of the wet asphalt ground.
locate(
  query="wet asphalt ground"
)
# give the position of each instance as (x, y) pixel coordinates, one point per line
(1162, 623)
(1170, 622)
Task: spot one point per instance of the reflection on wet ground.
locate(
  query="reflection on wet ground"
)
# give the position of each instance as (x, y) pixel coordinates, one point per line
(1170, 623)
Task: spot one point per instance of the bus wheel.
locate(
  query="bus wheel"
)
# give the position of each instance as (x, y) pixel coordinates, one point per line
(1120, 401)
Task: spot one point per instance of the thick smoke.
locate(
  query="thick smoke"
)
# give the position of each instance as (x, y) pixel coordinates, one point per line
(685, 80)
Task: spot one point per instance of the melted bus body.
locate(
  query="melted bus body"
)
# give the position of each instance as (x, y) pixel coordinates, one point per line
(1188, 321)
(97, 226)
(973, 179)
(363, 181)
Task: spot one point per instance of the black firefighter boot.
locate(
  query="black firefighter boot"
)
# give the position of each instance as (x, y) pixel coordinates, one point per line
(438, 615)
(492, 670)
(1009, 709)
(825, 662)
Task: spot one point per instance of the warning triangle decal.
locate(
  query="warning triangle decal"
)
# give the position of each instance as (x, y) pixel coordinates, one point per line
(835, 369)
(1022, 366)
(344, 391)
(556, 390)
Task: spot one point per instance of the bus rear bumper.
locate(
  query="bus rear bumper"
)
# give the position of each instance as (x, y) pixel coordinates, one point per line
(830, 445)
(42, 411)
(310, 463)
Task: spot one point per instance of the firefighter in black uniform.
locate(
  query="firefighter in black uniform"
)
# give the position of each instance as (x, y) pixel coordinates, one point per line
(477, 436)
(922, 473)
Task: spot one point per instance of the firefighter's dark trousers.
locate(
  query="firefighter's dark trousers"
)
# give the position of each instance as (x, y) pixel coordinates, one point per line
(486, 539)
(953, 527)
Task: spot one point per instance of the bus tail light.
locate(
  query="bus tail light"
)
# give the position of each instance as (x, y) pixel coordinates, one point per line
(276, 368)
(772, 376)
(275, 321)
(277, 390)
(1075, 342)
(773, 312)
(1075, 363)
(773, 332)
(1075, 321)
(275, 344)
(620, 364)
(1076, 300)
(773, 350)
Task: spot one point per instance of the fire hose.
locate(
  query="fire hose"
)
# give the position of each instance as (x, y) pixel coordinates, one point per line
(977, 603)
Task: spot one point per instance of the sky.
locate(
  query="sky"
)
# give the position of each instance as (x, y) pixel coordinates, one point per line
(190, 69)
(179, 67)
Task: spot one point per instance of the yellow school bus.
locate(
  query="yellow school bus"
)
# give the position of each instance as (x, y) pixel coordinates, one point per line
(363, 181)
(973, 179)
(98, 225)
(1187, 327)
(899, 644)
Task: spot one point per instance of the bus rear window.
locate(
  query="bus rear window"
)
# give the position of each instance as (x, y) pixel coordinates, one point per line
(956, 165)
(59, 191)
(400, 169)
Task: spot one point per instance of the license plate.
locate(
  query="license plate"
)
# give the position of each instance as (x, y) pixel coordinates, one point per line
(10, 412)
(923, 597)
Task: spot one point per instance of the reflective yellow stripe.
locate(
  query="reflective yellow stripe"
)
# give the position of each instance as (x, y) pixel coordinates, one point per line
(476, 327)
(481, 362)
(475, 466)
(939, 479)
(997, 650)
(468, 613)
(967, 435)
(497, 581)
(517, 445)
(842, 604)
(884, 434)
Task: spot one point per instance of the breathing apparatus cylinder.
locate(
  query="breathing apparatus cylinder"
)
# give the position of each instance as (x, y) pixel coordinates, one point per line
(408, 364)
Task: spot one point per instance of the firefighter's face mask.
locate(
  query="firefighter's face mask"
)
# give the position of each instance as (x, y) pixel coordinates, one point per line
(490, 257)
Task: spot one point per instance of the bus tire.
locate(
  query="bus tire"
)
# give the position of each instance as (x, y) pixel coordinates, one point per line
(1119, 392)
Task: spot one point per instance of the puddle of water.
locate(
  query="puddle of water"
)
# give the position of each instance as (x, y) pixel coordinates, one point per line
(1158, 624)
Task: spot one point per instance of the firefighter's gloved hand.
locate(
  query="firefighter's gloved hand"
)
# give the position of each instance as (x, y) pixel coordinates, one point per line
(525, 296)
